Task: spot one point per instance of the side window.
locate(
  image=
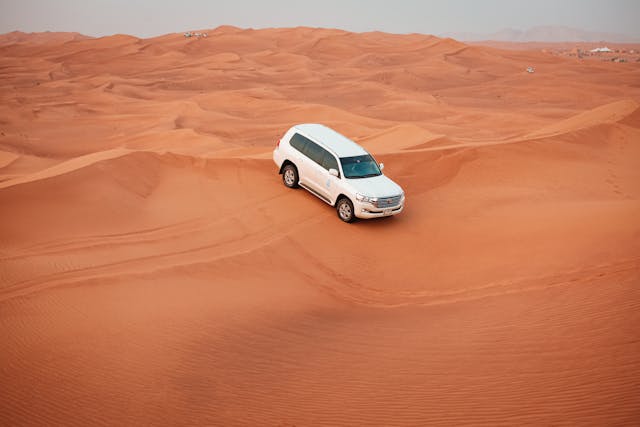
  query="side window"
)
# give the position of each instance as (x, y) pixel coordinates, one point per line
(329, 161)
(298, 142)
(314, 152)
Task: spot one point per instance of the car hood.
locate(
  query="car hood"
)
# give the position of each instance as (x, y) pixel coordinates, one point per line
(375, 186)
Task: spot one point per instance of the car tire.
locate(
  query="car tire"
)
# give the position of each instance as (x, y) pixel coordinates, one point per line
(345, 211)
(290, 176)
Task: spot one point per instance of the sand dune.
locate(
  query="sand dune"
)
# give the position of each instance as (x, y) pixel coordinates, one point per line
(46, 37)
(154, 269)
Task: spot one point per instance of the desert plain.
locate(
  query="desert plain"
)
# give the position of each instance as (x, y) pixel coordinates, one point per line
(155, 271)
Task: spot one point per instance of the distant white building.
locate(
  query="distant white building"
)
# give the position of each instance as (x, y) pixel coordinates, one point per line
(601, 49)
(197, 35)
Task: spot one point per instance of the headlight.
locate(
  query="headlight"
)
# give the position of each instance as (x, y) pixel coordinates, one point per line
(367, 199)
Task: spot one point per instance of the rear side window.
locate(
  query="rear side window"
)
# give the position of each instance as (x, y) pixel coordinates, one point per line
(314, 152)
(298, 142)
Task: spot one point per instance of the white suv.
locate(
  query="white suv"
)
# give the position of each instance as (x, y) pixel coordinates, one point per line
(338, 171)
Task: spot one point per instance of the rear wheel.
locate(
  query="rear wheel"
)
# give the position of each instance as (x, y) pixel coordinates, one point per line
(344, 207)
(290, 176)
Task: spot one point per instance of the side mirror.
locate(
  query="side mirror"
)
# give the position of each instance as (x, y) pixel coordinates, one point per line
(381, 166)
(333, 172)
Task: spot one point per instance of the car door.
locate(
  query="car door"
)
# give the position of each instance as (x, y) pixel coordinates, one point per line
(300, 158)
(313, 166)
(329, 184)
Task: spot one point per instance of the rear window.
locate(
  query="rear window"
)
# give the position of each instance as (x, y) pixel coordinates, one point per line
(298, 142)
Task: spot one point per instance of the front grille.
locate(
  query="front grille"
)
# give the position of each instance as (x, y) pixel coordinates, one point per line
(387, 202)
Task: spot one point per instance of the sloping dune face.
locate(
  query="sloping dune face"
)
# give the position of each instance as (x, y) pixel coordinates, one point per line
(154, 270)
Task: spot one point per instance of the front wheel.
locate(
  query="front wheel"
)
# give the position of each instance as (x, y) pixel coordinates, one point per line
(344, 207)
(290, 176)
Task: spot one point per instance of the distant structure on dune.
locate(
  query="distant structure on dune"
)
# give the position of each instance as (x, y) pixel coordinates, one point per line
(601, 50)
(189, 34)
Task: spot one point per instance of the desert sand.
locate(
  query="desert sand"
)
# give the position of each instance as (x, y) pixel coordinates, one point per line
(155, 271)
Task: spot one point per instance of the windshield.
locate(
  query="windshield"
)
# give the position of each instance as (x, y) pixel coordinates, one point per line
(359, 166)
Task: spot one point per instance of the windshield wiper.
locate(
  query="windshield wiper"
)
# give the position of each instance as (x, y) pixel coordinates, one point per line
(363, 176)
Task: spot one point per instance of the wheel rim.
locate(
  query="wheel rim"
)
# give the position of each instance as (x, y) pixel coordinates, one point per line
(289, 178)
(345, 211)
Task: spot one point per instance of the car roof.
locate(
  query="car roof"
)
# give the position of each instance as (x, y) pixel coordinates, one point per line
(339, 144)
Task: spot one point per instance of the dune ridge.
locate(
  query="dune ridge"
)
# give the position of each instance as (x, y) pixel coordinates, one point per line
(154, 269)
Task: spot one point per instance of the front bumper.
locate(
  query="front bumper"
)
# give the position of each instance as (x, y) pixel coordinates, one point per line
(367, 210)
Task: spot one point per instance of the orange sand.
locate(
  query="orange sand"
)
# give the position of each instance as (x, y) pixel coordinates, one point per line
(154, 269)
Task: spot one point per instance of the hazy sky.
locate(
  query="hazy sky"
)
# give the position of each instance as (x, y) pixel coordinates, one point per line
(149, 18)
